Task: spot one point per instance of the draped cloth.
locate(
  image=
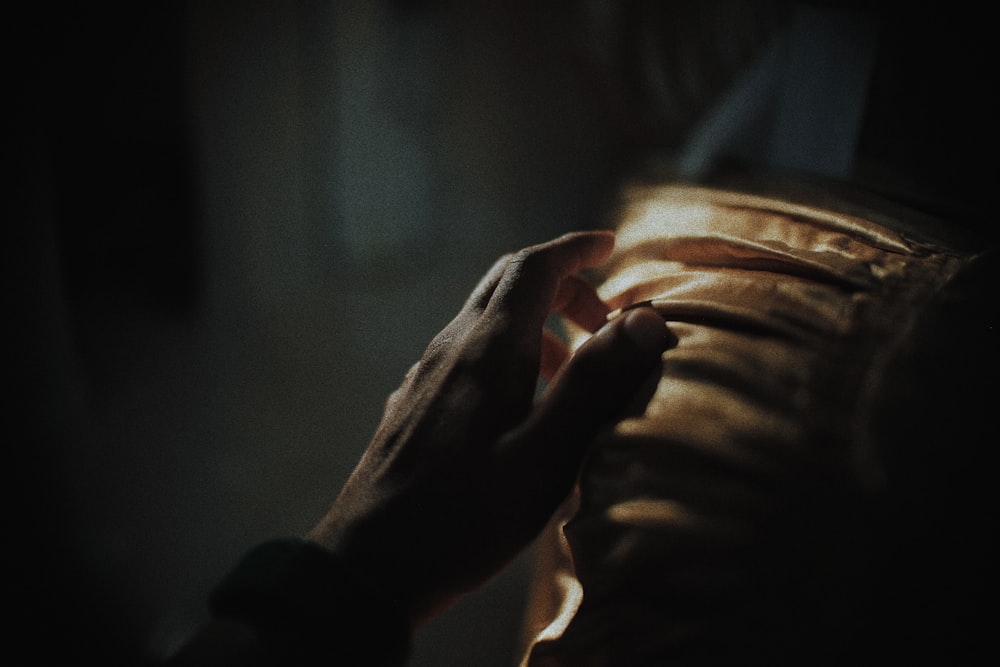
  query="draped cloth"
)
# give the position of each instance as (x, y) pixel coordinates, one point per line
(759, 510)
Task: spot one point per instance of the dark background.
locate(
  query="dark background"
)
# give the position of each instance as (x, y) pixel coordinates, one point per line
(233, 227)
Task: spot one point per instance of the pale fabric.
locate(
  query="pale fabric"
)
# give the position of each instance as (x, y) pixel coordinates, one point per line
(785, 314)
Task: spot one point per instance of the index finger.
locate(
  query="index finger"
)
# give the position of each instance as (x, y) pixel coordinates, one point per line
(530, 283)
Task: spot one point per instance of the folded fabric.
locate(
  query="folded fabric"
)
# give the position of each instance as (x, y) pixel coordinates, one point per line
(761, 509)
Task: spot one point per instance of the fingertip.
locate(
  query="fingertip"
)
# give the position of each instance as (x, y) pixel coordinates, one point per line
(647, 330)
(597, 245)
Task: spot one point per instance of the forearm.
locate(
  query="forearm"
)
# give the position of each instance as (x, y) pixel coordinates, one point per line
(223, 643)
(293, 602)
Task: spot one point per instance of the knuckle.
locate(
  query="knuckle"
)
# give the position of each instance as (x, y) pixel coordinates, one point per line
(413, 372)
(520, 260)
(438, 349)
(531, 263)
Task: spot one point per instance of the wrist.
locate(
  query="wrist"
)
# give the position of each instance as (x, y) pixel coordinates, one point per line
(376, 558)
(310, 604)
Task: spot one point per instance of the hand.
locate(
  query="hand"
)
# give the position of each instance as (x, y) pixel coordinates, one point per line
(465, 468)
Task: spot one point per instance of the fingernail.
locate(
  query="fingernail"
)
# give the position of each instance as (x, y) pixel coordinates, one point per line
(647, 330)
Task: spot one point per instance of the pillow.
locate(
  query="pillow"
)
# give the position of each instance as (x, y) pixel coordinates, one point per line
(761, 509)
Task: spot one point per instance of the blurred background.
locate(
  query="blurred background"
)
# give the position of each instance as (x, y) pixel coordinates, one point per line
(236, 225)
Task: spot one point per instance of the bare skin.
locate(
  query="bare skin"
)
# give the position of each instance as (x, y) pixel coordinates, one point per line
(466, 466)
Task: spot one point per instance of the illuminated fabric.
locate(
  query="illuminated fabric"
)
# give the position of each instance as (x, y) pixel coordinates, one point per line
(731, 523)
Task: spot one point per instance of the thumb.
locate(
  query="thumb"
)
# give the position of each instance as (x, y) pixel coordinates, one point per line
(597, 385)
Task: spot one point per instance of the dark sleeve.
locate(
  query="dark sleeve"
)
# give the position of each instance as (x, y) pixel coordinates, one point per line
(291, 602)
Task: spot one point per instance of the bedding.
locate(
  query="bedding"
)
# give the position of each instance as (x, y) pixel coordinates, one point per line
(779, 499)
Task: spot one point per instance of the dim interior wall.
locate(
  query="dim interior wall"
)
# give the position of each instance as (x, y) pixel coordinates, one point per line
(248, 222)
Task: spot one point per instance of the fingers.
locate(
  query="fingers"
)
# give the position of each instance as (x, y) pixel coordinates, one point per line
(596, 386)
(525, 294)
(554, 355)
(578, 301)
(481, 295)
(499, 330)
(456, 330)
